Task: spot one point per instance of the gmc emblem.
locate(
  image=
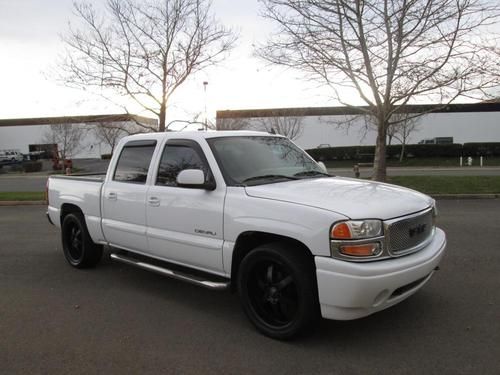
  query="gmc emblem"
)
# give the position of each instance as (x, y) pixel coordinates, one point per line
(419, 229)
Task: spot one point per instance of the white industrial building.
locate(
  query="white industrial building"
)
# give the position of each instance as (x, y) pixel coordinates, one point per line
(344, 126)
(24, 134)
(315, 127)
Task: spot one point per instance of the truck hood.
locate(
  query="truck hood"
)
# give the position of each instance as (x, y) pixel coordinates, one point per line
(356, 199)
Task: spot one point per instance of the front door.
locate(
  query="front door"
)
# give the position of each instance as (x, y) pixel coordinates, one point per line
(185, 224)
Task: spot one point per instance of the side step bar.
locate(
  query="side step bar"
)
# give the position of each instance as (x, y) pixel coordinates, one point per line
(193, 279)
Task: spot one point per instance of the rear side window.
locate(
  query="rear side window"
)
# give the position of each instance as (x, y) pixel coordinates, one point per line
(176, 158)
(133, 163)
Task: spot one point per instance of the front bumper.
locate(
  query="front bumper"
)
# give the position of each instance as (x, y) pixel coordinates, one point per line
(350, 290)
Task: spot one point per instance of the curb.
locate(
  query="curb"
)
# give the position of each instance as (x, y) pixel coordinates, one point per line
(23, 203)
(465, 196)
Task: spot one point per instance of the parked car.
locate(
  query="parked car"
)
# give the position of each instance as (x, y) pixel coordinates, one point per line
(254, 213)
(11, 156)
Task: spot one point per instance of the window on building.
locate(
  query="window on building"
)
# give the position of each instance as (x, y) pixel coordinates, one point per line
(133, 163)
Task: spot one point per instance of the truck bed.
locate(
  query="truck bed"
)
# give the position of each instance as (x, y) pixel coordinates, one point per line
(81, 190)
(90, 177)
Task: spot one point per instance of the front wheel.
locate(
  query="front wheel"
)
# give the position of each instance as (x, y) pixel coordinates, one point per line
(79, 249)
(278, 292)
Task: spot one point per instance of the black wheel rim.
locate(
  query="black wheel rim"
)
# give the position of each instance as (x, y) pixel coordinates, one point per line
(272, 293)
(74, 242)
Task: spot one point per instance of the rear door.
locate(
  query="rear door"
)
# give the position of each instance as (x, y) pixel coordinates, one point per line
(185, 224)
(124, 197)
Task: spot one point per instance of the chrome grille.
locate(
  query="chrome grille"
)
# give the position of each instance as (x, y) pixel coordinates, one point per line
(407, 234)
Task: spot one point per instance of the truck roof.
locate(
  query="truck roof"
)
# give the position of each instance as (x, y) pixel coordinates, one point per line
(200, 134)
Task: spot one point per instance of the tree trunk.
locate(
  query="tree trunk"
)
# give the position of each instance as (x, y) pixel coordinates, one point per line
(379, 161)
(402, 152)
(162, 118)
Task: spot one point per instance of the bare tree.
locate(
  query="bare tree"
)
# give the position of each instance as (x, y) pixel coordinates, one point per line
(391, 52)
(288, 126)
(68, 138)
(110, 133)
(391, 132)
(143, 50)
(401, 126)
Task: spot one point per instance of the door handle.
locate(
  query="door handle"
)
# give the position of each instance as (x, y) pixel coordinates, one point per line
(154, 201)
(112, 196)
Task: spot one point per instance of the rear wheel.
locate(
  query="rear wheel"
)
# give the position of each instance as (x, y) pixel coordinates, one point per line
(277, 287)
(78, 247)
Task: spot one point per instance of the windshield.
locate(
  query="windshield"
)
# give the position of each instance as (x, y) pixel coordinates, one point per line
(260, 160)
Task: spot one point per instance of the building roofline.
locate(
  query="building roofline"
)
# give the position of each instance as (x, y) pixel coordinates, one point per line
(345, 110)
(76, 120)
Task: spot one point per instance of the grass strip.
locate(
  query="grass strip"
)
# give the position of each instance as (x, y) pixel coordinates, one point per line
(418, 162)
(449, 184)
(22, 196)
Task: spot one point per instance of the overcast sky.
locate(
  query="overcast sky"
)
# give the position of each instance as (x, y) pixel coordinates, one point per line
(30, 44)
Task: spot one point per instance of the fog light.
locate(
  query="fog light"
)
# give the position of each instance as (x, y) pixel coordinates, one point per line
(365, 250)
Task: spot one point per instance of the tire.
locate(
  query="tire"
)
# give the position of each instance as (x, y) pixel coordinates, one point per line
(78, 248)
(278, 290)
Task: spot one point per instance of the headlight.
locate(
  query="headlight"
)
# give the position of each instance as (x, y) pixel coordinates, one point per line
(357, 239)
(356, 229)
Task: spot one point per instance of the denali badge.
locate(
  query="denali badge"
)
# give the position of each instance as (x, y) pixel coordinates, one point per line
(419, 229)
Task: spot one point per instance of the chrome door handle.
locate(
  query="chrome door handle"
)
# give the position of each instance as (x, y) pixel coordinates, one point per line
(112, 196)
(154, 201)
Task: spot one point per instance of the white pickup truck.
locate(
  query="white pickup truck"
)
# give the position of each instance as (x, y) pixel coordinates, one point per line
(252, 212)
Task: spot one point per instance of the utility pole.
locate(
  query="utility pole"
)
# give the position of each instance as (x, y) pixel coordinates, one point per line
(205, 83)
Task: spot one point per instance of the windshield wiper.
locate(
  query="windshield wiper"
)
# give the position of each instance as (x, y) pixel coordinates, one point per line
(312, 174)
(268, 176)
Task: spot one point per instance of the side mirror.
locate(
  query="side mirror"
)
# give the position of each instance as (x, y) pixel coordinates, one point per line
(194, 179)
(323, 166)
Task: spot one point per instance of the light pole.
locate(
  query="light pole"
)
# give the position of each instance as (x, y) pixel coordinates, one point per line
(205, 83)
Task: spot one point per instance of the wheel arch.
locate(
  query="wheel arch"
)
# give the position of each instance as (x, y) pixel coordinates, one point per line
(68, 208)
(247, 241)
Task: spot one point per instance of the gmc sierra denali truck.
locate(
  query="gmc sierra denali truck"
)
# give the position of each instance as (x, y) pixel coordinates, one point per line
(252, 212)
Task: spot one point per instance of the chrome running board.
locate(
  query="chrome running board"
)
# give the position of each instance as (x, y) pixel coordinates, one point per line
(193, 279)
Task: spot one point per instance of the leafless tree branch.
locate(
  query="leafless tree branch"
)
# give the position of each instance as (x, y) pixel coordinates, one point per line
(67, 137)
(391, 52)
(288, 126)
(143, 50)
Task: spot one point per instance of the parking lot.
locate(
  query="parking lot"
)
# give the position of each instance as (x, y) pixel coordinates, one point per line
(120, 320)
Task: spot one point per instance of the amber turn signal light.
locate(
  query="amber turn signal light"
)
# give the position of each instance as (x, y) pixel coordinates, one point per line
(365, 250)
(341, 231)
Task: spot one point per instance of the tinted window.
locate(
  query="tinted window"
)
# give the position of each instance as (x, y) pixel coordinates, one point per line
(176, 158)
(246, 157)
(134, 161)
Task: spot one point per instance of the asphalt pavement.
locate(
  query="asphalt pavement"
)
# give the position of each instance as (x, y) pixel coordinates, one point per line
(36, 181)
(116, 319)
